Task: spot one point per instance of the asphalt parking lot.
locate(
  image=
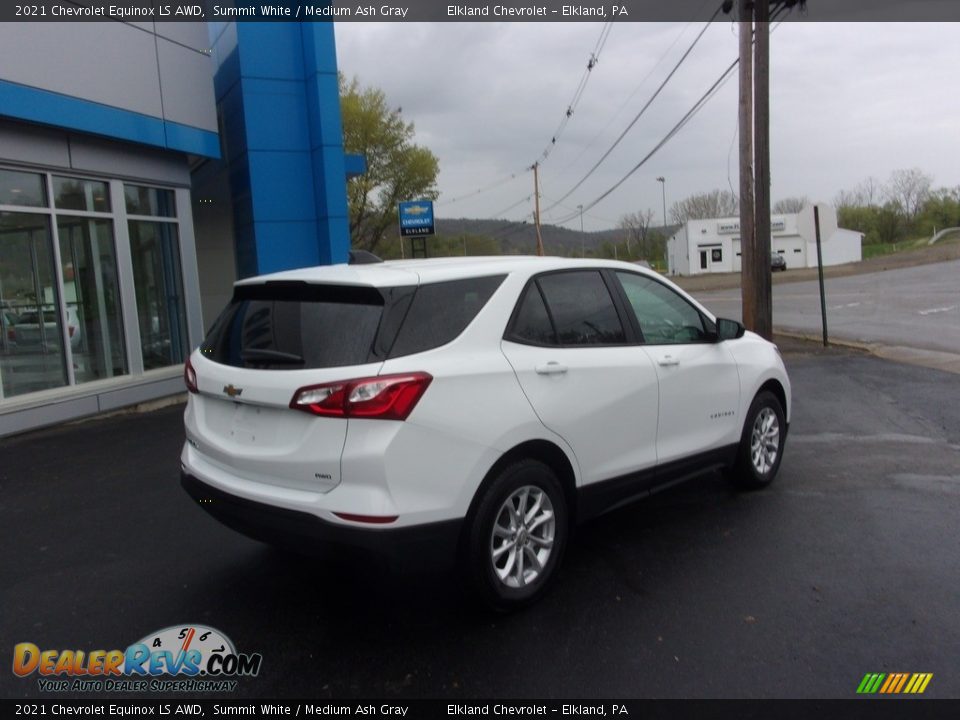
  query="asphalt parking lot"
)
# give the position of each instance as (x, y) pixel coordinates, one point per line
(848, 564)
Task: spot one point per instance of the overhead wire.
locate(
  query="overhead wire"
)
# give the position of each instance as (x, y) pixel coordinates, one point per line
(571, 108)
(633, 94)
(486, 188)
(646, 105)
(578, 93)
(711, 91)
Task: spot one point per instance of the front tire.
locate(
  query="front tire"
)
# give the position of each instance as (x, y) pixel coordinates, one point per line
(517, 536)
(761, 444)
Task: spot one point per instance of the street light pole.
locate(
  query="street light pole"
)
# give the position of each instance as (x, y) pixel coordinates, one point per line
(582, 251)
(663, 188)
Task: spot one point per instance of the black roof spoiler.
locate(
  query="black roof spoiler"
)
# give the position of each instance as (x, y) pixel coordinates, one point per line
(363, 257)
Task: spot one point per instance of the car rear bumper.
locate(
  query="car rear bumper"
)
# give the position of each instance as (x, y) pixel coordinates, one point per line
(432, 546)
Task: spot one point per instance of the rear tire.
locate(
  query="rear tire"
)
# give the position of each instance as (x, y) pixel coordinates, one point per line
(761, 444)
(517, 536)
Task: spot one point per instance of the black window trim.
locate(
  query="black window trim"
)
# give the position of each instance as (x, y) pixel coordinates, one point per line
(631, 336)
(709, 326)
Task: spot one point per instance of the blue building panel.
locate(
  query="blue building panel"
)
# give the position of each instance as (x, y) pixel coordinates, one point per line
(191, 140)
(283, 245)
(354, 164)
(325, 116)
(289, 171)
(278, 95)
(50, 108)
(270, 50)
(275, 115)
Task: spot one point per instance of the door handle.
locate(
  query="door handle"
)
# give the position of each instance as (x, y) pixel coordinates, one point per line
(668, 361)
(551, 368)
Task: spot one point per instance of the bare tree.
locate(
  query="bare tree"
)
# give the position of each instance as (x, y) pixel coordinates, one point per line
(714, 204)
(908, 189)
(636, 227)
(869, 192)
(846, 199)
(790, 205)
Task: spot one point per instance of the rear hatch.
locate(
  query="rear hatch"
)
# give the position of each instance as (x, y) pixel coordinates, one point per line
(273, 339)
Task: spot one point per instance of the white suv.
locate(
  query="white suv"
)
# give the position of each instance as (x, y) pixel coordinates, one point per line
(470, 410)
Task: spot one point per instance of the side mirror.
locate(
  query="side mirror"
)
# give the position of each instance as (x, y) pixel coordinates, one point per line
(729, 329)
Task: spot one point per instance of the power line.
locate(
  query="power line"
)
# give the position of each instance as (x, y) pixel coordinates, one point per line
(673, 131)
(644, 108)
(486, 188)
(711, 91)
(571, 108)
(578, 93)
(633, 94)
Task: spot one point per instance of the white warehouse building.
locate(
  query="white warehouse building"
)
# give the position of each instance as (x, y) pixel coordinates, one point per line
(712, 246)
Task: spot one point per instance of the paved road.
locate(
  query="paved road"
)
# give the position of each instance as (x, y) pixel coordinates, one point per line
(848, 564)
(915, 307)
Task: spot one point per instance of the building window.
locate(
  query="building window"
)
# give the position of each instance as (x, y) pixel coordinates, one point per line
(716, 255)
(23, 189)
(61, 315)
(80, 194)
(31, 351)
(157, 277)
(150, 201)
(89, 266)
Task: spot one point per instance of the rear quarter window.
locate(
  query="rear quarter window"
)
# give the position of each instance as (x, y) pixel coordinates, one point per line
(441, 311)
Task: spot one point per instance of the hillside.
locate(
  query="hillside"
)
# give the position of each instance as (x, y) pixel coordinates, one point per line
(513, 238)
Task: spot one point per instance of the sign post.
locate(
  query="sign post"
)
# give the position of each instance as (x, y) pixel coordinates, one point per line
(416, 222)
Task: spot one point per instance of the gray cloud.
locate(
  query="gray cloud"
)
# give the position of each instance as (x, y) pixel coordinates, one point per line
(849, 100)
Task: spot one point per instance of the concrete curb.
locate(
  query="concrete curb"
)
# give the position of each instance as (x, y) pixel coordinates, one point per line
(935, 359)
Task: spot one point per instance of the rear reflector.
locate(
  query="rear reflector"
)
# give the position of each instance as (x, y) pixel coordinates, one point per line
(385, 397)
(370, 519)
(190, 377)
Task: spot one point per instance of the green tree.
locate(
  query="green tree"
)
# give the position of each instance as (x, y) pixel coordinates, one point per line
(397, 169)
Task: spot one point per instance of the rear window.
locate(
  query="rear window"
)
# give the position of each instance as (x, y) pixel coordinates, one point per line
(296, 326)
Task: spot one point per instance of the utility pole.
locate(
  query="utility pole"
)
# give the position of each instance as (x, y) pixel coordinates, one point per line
(747, 234)
(583, 252)
(761, 128)
(536, 205)
(755, 166)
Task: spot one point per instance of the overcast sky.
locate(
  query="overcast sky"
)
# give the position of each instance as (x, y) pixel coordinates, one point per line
(848, 101)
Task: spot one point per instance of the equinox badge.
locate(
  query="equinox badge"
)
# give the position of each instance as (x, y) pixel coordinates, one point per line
(232, 391)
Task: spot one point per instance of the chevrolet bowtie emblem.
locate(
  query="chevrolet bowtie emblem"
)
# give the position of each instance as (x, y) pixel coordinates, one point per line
(232, 391)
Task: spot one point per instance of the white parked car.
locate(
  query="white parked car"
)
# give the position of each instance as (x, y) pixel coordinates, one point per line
(28, 335)
(472, 409)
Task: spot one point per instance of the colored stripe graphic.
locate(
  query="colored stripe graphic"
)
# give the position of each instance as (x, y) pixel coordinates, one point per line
(894, 683)
(870, 683)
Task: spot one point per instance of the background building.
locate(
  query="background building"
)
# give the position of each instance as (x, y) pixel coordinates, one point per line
(705, 246)
(143, 168)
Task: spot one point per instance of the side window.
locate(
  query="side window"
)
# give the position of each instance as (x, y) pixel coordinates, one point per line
(581, 308)
(665, 317)
(532, 324)
(441, 311)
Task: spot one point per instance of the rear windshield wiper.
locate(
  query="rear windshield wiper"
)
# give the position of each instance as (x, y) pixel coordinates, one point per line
(270, 356)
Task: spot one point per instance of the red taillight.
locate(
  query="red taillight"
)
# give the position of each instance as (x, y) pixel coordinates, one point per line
(387, 397)
(71, 330)
(190, 377)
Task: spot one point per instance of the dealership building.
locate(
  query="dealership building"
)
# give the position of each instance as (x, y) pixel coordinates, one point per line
(144, 167)
(713, 246)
